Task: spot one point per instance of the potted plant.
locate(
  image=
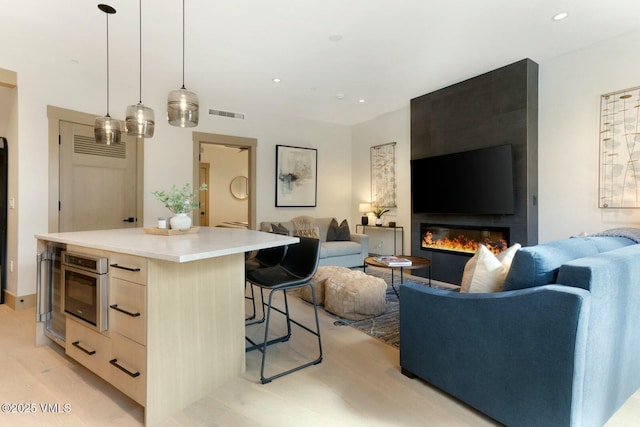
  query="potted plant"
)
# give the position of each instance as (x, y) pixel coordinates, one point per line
(378, 212)
(180, 201)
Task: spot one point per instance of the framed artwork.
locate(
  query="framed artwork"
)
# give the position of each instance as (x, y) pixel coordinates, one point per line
(619, 185)
(383, 175)
(296, 176)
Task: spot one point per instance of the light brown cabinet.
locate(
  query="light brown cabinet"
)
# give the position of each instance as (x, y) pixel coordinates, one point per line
(164, 345)
(119, 354)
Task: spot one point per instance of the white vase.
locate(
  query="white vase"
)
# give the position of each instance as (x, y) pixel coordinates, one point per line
(378, 222)
(180, 221)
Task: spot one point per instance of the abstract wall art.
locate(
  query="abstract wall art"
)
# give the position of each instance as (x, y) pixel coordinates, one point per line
(619, 185)
(296, 176)
(383, 175)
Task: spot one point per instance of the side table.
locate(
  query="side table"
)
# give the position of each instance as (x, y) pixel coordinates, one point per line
(386, 227)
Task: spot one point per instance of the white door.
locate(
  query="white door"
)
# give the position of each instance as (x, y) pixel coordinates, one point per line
(97, 182)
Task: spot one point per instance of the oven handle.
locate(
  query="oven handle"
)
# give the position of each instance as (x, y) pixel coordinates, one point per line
(115, 363)
(115, 307)
(124, 268)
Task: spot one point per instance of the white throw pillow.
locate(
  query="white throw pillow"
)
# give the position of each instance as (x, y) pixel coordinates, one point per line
(485, 272)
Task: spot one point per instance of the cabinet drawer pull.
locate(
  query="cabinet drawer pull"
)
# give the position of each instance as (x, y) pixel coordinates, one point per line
(115, 307)
(115, 363)
(124, 268)
(77, 345)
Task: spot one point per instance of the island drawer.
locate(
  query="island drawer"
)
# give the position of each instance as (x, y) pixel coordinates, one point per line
(128, 267)
(128, 309)
(88, 347)
(128, 365)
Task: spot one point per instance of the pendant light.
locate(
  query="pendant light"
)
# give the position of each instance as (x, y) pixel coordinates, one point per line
(107, 130)
(140, 119)
(182, 105)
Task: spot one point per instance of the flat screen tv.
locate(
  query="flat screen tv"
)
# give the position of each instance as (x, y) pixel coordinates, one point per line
(470, 182)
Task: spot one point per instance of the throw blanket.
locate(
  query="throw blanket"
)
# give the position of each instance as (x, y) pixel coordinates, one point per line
(628, 232)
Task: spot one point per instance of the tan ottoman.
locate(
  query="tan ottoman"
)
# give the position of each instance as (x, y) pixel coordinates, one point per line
(318, 279)
(355, 295)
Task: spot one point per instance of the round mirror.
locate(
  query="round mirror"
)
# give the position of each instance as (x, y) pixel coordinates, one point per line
(239, 187)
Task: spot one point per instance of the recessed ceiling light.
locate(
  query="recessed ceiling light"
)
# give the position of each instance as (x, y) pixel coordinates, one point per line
(335, 37)
(340, 96)
(276, 80)
(362, 101)
(560, 16)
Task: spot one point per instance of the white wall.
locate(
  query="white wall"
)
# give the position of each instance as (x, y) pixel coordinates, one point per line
(569, 120)
(569, 104)
(168, 155)
(570, 87)
(390, 127)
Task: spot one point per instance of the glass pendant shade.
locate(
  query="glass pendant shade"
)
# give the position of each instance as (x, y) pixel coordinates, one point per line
(182, 108)
(107, 131)
(140, 121)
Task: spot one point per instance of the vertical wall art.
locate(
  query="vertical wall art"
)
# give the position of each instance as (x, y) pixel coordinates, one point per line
(296, 176)
(383, 175)
(620, 149)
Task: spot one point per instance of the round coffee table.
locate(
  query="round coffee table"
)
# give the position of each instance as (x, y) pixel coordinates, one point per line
(416, 263)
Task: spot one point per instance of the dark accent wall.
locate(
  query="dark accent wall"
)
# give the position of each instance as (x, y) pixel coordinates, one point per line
(495, 108)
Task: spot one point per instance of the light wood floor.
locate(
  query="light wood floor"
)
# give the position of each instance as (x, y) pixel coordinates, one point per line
(358, 384)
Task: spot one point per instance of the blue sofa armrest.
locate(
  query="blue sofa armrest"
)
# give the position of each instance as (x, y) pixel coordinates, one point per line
(517, 356)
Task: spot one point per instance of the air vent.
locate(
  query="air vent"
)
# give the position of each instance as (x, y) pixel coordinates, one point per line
(87, 145)
(226, 114)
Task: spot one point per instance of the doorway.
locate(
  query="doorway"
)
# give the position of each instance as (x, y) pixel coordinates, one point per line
(4, 168)
(239, 149)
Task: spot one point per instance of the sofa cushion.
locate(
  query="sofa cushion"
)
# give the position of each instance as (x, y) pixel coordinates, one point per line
(337, 233)
(485, 272)
(279, 229)
(538, 265)
(606, 244)
(312, 232)
(305, 226)
(331, 249)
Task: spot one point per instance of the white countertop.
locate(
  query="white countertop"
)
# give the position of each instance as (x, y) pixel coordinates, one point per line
(208, 242)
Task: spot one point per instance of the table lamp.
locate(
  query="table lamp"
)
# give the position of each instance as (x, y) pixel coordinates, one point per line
(364, 208)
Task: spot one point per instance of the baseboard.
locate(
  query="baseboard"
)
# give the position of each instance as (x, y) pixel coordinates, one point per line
(19, 303)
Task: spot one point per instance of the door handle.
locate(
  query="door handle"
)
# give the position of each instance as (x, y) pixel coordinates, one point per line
(130, 219)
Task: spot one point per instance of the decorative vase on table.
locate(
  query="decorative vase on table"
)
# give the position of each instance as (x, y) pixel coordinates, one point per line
(180, 221)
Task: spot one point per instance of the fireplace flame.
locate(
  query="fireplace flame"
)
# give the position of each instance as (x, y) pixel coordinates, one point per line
(461, 243)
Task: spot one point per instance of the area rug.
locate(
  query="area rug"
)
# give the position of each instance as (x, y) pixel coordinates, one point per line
(385, 327)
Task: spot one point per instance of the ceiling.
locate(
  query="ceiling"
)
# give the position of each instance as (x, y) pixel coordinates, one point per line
(329, 54)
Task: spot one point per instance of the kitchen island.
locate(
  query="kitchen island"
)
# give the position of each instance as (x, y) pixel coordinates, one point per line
(175, 312)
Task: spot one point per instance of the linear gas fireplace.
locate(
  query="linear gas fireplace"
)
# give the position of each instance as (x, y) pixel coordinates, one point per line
(463, 240)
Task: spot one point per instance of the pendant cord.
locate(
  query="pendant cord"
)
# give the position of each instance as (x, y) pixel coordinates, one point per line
(107, 15)
(183, 44)
(140, 45)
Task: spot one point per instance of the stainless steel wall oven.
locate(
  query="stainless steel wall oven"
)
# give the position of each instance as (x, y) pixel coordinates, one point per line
(86, 288)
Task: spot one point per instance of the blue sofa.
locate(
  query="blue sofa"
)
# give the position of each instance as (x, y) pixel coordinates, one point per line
(560, 346)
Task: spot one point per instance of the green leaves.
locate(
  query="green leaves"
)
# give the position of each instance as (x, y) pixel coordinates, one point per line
(181, 200)
(378, 212)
